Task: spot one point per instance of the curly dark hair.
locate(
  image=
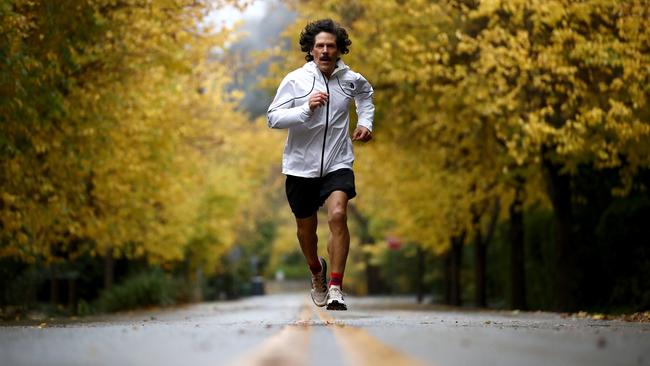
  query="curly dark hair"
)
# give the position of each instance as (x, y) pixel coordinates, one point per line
(308, 35)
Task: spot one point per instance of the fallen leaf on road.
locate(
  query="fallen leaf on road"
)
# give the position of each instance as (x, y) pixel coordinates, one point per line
(641, 317)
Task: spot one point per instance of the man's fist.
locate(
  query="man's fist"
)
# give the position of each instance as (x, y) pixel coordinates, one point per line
(317, 99)
(361, 134)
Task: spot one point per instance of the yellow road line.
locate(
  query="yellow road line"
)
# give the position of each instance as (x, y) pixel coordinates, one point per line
(289, 347)
(361, 348)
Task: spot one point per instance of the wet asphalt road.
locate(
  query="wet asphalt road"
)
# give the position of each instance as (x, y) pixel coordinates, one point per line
(289, 330)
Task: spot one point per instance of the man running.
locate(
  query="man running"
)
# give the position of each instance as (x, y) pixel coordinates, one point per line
(312, 102)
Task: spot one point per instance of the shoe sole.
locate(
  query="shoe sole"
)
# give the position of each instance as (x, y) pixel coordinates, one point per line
(335, 305)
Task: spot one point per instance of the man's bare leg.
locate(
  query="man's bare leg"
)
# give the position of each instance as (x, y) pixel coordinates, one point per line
(338, 244)
(308, 243)
(337, 247)
(308, 239)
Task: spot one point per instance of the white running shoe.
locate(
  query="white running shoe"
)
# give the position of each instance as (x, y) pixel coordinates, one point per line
(335, 299)
(319, 285)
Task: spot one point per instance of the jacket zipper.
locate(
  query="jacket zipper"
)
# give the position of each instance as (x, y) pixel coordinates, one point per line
(327, 120)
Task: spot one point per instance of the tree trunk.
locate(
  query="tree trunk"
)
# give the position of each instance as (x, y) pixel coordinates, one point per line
(480, 250)
(559, 188)
(72, 295)
(195, 281)
(374, 283)
(455, 262)
(448, 275)
(109, 269)
(457, 253)
(54, 286)
(419, 281)
(480, 255)
(517, 257)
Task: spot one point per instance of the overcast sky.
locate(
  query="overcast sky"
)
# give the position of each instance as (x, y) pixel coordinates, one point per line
(262, 23)
(228, 15)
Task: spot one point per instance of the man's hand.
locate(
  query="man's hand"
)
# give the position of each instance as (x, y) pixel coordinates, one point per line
(317, 99)
(361, 134)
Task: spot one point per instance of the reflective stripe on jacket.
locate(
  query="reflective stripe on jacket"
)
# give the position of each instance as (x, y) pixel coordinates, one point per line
(319, 143)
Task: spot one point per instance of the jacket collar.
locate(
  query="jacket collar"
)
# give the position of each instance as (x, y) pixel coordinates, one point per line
(313, 68)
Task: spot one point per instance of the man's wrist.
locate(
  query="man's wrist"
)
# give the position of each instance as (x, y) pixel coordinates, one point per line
(307, 109)
(365, 126)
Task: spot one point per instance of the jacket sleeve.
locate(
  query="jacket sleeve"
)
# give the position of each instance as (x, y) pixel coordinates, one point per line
(363, 101)
(282, 112)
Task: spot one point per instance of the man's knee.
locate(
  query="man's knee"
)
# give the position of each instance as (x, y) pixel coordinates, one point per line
(338, 216)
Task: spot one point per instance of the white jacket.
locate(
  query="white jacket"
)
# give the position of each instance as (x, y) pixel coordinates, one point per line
(319, 143)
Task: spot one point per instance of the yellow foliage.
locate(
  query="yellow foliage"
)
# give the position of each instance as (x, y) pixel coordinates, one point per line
(473, 100)
(117, 131)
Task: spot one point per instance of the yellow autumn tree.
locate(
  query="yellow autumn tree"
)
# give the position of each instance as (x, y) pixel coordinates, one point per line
(118, 136)
(491, 96)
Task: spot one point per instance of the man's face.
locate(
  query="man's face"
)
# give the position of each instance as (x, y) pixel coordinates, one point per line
(325, 52)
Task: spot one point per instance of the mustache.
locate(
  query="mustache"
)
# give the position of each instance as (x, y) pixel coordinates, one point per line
(325, 58)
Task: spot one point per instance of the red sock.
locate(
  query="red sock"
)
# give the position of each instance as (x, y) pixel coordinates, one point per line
(336, 279)
(315, 268)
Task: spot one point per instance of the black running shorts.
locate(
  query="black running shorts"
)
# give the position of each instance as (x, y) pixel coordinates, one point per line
(306, 195)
